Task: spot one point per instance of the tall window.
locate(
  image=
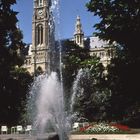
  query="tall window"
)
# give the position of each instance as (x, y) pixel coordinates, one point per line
(39, 34)
(40, 2)
(78, 39)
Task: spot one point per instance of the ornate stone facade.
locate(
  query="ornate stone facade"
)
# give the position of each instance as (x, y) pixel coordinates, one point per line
(102, 49)
(79, 34)
(38, 57)
(97, 47)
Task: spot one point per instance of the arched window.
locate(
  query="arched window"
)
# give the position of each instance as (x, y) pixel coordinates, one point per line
(40, 2)
(78, 39)
(109, 53)
(39, 34)
(39, 70)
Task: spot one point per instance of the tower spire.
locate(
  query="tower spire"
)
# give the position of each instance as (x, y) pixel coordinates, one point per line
(78, 34)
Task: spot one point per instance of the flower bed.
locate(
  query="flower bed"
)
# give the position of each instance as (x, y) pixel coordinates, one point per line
(103, 128)
(121, 127)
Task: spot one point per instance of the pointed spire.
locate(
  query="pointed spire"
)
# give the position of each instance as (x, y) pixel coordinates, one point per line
(78, 34)
(78, 26)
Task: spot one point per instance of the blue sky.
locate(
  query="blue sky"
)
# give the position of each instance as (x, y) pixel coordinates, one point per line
(69, 9)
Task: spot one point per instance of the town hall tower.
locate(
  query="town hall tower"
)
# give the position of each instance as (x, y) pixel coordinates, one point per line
(41, 36)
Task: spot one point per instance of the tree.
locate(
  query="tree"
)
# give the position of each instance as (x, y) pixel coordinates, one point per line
(114, 14)
(73, 55)
(123, 80)
(120, 22)
(13, 111)
(13, 88)
(90, 92)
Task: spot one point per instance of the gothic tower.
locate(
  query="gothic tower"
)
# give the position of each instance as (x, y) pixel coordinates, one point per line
(40, 36)
(78, 34)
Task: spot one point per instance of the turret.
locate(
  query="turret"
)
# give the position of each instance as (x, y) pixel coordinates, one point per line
(78, 34)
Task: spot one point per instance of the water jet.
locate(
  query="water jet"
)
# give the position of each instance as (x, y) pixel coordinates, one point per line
(46, 99)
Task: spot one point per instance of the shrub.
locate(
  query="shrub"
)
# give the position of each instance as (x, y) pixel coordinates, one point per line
(93, 139)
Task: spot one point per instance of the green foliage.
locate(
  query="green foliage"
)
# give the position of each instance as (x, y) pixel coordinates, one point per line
(21, 85)
(114, 14)
(120, 22)
(72, 57)
(13, 79)
(91, 93)
(123, 81)
(93, 139)
(15, 88)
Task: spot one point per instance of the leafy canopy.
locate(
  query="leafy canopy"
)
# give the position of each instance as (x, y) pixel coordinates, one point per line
(119, 21)
(14, 80)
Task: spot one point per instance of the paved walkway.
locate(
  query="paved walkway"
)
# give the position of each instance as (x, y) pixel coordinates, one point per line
(106, 137)
(75, 137)
(25, 137)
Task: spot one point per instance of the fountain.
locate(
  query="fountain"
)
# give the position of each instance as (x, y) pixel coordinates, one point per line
(48, 106)
(78, 89)
(75, 88)
(46, 102)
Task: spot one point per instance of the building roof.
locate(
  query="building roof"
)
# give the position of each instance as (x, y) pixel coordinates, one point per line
(95, 42)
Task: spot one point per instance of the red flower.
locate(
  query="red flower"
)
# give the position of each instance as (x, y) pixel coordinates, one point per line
(121, 127)
(84, 128)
